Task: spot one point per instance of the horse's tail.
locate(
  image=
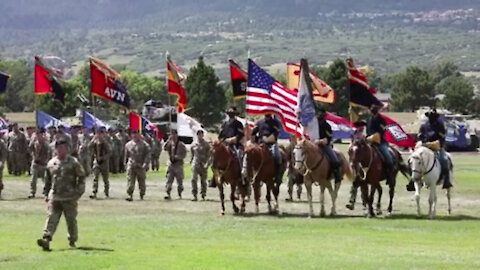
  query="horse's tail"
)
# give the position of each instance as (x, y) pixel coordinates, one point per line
(346, 167)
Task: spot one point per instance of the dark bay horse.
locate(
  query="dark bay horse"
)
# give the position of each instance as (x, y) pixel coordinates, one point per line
(367, 166)
(258, 166)
(227, 170)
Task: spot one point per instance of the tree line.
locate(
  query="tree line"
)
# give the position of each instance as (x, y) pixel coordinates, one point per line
(440, 86)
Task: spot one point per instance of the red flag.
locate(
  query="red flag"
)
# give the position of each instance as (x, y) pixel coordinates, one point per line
(174, 81)
(395, 134)
(239, 80)
(143, 125)
(42, 83)
(105, 83)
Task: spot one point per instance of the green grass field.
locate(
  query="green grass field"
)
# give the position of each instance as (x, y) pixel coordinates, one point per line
(180, 234)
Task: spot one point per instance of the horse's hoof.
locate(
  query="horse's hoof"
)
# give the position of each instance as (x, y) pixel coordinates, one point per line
(379, 212)
(389, 214)
(236, 210)
(222, 213)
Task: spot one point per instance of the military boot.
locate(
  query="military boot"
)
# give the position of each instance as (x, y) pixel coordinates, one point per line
(71, 244)
(31, 196)
(129, 198)
(141, 197)
(410, 186)
(93, 196)
(44, 244)
(446, 179)
(353, 197)
(212, 183)
(195, 198)
(167, 197)
(336, 175)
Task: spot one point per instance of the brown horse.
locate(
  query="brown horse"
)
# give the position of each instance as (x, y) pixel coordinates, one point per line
(315, 167)
(226, 170)
(258, 166)
(367, 166)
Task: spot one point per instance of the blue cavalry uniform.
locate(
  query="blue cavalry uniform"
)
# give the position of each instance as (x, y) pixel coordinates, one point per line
(376, 125)
(232, 133)
(266, 131)
(325, 133)
(434, 130)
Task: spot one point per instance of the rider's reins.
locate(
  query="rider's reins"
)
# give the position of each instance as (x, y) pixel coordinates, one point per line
(309, 170)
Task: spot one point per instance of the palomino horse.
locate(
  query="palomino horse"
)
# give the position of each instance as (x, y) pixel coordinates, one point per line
(426, 167)
(367, 166)
(226, 170)
(315, 167)
(259, 166)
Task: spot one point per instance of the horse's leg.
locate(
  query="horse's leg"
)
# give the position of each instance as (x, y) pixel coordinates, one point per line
(232, 197)
(308, 187)
(322, 200)
(431, 202)
(417, 197)
(276, 191)
(379, 202)
(448, 200)
(391, 192)
(222, 197)
(268, 196)
(243, 194)
(333, 196)
(370, 200)
(256, 195)
(364, 193)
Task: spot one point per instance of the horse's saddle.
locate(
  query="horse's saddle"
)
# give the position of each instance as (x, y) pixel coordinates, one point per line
(382, 158)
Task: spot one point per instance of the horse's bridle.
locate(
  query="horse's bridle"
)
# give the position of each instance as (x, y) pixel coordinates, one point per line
(365, 172)
(304, 161)
(222, 172)
(255, 173)
(422, 174)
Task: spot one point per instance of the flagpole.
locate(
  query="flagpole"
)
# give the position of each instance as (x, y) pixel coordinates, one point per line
(168, 95)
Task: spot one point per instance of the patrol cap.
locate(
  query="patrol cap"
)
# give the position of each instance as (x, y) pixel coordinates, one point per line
(60, 142)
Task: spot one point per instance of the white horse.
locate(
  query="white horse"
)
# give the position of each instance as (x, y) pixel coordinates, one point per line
(426, 167)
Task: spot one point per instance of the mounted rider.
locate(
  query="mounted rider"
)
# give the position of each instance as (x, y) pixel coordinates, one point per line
(432, 134)
(266, 131)
(375, 135)
(324, 142)
(232, 133)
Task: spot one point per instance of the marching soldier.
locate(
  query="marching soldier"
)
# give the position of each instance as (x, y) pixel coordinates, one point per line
(51, 131)
(17, 148)
(137, 160)
(115, 156)
(75, 140)
(3, 158)
(84, 154)
(101, 150)
(200, 158)
(40, 151)
(30, 134)
(123, 138)
(156, 151)
(176, 152)
(64, 185)
(292, 174)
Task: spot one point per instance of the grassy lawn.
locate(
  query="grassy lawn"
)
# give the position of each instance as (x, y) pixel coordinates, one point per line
(180, 234)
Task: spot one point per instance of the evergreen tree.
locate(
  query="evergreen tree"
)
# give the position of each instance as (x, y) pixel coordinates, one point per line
(412, 89)
(206, 98)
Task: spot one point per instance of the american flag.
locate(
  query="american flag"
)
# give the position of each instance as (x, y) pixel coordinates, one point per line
(265, 95)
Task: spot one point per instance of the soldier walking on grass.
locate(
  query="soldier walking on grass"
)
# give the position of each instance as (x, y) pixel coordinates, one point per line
(137, 160)
(64, 185)
(200, 161)
(40, 152)
(101, 150)
(176, 153)
(3, 159)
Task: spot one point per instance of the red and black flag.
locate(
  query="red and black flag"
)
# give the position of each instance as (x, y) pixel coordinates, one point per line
(239, 80)
(105, 83)
(143, 125)
(46, 81)
(3, 81)
(361, 94)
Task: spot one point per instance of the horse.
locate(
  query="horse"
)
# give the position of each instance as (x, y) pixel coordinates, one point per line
(426, 168)
(314, 166)
(226, 170)
(259, 166)
(367, 166)
(294, 177)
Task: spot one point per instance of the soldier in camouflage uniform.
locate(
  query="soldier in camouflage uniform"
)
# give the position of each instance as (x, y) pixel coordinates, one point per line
(3, 158)
(156, 151)
(115, 155)
(137, 160)
(200, 161)
(293, 175)
(17, 148)
(28, 157)
(40, 152)
(51, 131)
(64, 185)
(101, 150)
(61, 135)
(85, 156)
(176, 152)
(75, 140)
(124, 138)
